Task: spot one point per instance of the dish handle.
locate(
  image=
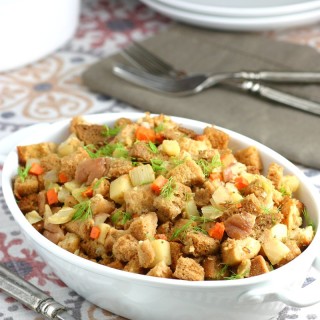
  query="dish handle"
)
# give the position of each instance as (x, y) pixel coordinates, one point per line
(12, 140)
(303, 297)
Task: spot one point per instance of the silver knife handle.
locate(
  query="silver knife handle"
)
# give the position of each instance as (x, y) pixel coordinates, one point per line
(282, 97)
(29, 295)
(279, 76)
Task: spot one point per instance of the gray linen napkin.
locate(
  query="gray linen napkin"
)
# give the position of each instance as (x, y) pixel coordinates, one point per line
(292, 133)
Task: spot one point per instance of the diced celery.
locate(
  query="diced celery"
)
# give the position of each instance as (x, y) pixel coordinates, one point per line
(142, 175)
(211, 212)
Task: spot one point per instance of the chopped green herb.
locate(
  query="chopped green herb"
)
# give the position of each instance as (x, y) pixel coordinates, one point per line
(153, 148)
(234, 276)
(121, 217)
(23, 172)
(97, 184)
(83, 211)
(159, 128)
(110, 132)
(284, 191)
(117, 150)
(180, 231)
(223, 270)
(189, 196)
(207, 166)
(91, 150)
(176, 162)
(168, 189)
(216, 161)
(157, 165)
(199, 229)
(307, 218)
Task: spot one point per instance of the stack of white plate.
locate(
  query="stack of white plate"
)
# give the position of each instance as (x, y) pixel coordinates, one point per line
(244, 15)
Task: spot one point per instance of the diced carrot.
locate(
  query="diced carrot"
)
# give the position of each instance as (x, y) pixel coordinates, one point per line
(62, 177)
(145, 134)
(227, 159)
(161, 236)
(159, 138)
(158, 184)
(239, 205)
(95, 232)
(217, 231)
(88, 192)
(52, 196)
(36, 169)
(215, 176)
(200, 137)
(241, 182)
(135, 215)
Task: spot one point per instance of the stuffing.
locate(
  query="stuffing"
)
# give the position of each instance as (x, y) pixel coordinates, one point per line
(156, 198)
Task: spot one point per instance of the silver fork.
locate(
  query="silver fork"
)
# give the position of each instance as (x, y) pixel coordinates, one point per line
(183, 86)
(142, 58)
(176, 82)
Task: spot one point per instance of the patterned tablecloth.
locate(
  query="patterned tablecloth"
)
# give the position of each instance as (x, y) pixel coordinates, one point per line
(51, 90)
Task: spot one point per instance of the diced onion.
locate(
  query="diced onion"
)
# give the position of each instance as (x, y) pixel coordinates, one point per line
(64, 215)
(33, 217)
(51, 176)
(211, 212)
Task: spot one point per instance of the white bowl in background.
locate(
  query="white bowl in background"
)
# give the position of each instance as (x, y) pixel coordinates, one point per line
(143, 297)
(33, 29)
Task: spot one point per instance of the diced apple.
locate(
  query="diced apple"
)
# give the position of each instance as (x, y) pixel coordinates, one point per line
(275, 250)
(279, 231)
(118, 187)
(171, 147)
(162, 251)
(221, 195)
(104, 230)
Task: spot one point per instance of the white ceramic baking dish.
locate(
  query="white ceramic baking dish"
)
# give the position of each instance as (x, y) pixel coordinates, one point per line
(142, 297)
(33, 29)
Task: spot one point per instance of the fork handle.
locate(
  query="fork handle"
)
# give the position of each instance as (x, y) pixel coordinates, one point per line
(282, 97)
(280, 76)
(30, 296)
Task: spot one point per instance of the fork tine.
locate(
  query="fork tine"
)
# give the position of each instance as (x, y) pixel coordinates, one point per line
(138, 55)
